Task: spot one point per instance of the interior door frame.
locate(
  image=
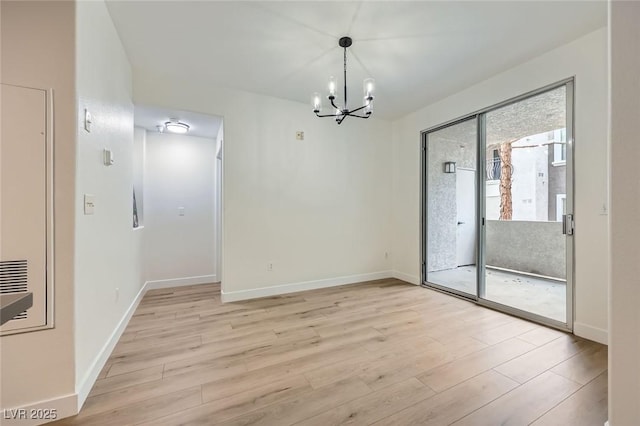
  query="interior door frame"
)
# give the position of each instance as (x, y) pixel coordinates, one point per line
(480, 116)
(476, 229)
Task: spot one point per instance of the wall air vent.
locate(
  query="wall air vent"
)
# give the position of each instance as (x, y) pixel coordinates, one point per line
(13, 279)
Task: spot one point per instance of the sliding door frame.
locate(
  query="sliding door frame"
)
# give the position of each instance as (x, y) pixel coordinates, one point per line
(424, 208)
(479, 298)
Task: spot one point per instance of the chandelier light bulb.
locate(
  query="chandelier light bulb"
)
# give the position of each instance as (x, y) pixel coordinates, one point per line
(369, 87)
(332, 86)
(316, 102)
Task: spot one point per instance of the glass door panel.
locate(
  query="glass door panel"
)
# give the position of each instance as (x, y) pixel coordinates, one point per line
(451, 208)
(525, 201)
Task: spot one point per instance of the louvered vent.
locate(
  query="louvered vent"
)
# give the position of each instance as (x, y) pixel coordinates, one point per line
(13, 279)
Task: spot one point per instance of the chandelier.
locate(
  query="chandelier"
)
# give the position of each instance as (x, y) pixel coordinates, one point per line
(344, 112)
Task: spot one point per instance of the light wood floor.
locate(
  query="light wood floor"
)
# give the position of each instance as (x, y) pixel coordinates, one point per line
(381, 352)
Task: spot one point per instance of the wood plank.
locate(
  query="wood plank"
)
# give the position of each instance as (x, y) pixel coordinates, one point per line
(541, 335)
(124, 350)
(219, 410)
(372, 407)
(535, 362)
(586, 407)
(504, 332)
(585, 366)
(305, 405)
(314, 345)
(110, 384)
(524, 404)
(382, 367)
(454, 403)
(152, 408)
(464, 368)
(114, 400)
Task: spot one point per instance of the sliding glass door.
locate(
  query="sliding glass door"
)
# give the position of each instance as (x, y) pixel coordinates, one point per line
(497, 206)
(525, 205)
(451, 210)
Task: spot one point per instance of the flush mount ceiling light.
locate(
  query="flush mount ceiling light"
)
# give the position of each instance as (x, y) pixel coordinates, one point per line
(176, 126)
(344, 112)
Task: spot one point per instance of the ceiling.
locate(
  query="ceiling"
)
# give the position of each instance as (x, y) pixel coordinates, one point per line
(418, 51)
(533, 115)
(202, 125)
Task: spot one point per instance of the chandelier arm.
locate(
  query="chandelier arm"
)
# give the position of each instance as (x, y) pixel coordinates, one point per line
(325, 115)
(360, 116)
(333, 104)
(358, 109)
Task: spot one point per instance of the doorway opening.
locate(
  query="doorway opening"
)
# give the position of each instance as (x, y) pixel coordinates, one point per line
(178, 195)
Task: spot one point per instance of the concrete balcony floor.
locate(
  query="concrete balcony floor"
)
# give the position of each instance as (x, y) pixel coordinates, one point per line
(533, 294)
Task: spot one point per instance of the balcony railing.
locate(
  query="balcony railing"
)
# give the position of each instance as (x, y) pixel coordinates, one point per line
(493, 168)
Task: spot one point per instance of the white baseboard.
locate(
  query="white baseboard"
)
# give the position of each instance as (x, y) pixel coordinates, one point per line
(90, 378)
(256, 293)
(591, 333)
(64, 406)
(413, 279)
(178, 282)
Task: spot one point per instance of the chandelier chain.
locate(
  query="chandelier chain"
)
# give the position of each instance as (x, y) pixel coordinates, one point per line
(345, 78)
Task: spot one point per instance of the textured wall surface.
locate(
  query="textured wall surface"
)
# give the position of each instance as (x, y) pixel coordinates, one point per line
(456, 143)
(536, 247)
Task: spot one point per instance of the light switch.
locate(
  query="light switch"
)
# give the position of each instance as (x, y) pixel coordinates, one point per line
(300, 135)
(89, 204)
(87, 120)
(107, 157)
(180, 211)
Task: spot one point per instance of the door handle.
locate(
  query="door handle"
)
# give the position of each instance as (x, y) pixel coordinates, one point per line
(567, 224)
(460, 223)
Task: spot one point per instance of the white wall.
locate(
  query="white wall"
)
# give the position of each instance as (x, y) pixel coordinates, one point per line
(624, 344)
(107, 253)
(317, 209)
(586, 59)
(38, 367)
(180, 172)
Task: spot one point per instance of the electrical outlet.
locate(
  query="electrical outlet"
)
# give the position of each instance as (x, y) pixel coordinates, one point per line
(604, 210)
(270, 266)
(300, 135)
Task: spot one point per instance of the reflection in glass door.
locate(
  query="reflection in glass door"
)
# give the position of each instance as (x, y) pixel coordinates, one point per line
(451, 182)
(525, 205)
